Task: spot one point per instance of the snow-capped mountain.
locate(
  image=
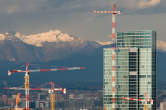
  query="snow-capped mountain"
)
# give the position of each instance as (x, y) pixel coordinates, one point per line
(161, 45)
(58, 48)
(47, 46)
(51, 45)
(50, 36)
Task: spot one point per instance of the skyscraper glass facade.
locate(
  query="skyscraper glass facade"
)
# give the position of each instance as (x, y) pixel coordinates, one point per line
(135, 71)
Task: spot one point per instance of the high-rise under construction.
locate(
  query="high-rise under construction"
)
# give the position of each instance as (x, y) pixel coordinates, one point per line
(135, 72)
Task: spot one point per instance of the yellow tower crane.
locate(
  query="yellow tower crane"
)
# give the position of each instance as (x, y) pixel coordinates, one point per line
(51, 92)
(28, 71)
(17, 100)
(52, 95)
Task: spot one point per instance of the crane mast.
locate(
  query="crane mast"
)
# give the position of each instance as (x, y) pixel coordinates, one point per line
(51, 92)
(114, 12)
(17, 100)
(26, 77)
(52, 101)
(52, 96)
(114, 65)
(27, 87)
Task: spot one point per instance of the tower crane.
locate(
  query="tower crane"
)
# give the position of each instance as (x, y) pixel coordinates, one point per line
(17, 100)
(114, 65)
(52, 95)
(51, 91)
(27, 71)
(145, 100)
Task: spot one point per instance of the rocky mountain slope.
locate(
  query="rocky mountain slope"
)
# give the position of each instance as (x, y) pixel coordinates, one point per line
(47, 46)
(52, 45)
(60, 49)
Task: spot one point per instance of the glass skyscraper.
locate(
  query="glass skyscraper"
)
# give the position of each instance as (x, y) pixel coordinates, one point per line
(135, 71)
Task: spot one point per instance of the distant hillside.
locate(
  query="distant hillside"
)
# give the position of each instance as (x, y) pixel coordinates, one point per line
(48, 46)
(93, 73)
(60, 50)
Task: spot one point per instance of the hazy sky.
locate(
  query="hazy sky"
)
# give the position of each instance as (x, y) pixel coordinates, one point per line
(75, 17)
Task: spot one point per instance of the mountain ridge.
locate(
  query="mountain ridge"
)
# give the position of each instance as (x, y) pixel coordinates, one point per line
(77, 52)
(47, 46)
(18, 47)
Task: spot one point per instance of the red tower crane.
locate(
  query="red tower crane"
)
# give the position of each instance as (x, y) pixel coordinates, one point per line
(52, 95)
(145, 100)
(51, 91)
(27, 72)
(114, 12)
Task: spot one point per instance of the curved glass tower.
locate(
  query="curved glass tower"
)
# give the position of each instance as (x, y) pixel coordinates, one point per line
(135, 71)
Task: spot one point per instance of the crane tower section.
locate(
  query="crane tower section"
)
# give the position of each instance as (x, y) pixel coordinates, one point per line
(114, 66)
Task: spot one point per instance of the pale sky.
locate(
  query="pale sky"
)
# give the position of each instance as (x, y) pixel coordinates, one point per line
(75, 17)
